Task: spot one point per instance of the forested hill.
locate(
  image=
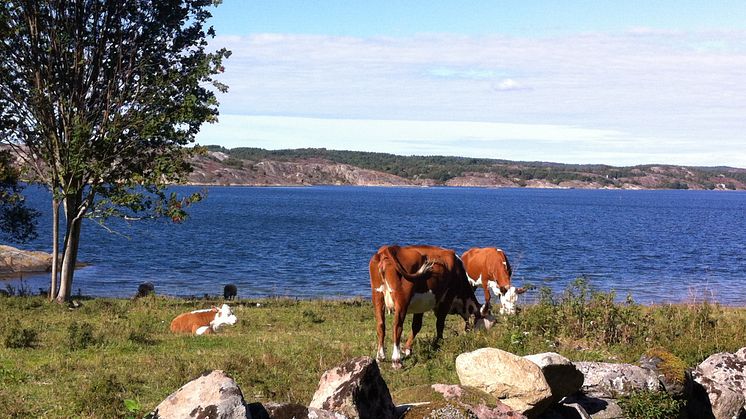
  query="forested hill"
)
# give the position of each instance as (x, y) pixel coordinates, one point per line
(318, 166)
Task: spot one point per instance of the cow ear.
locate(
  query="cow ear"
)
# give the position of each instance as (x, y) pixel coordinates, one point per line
(520, 290)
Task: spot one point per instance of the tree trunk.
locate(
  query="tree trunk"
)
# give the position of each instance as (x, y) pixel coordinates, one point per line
(74, 216)
(55, 247)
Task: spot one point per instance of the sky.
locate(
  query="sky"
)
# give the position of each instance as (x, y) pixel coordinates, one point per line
(606, 82)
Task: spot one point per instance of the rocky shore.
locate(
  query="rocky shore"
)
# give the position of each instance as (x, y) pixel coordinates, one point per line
(14, 262)
(494, 384)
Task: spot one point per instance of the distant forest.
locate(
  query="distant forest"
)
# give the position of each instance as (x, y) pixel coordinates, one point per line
(443, 168)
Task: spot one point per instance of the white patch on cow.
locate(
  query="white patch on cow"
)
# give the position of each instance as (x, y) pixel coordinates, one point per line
(223, 316)
(381, 355)
(407, 352)
(421, 302)
(202, 330)
(388, 298)
(396, 355)
(205, 310)
(484, 323)
(492, 285)
(508, 301)
(380, 289)
(474, 282)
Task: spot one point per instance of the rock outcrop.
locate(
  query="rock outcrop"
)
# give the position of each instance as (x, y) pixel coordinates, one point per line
(717, 387)
(516, 381)
(213, 395)
(426, 400)
(609, 381)
(356, 390)
(16, 261)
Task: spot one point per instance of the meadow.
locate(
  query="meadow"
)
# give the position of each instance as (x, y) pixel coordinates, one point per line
(117, 358)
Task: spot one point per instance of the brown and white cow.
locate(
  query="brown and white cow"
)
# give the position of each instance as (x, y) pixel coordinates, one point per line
(490, 268)
(202, 322)
(416, 279)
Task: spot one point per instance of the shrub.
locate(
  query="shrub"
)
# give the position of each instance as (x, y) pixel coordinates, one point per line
(20, 337)
(80, 336)
(651, 405)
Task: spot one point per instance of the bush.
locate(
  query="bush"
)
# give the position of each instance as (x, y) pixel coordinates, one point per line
(80, 336)
(651, 405)
(20, 337)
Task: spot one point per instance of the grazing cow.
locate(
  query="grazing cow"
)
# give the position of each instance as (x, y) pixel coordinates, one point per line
(202, 322)
(230, 291)
(489, 267)
(416, 279)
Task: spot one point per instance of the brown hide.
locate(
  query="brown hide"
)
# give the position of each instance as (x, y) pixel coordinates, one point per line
(411, 270)
(190, 322)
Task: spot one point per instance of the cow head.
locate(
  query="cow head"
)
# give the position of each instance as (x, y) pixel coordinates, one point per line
(223, 315)
(508, 300)
(468, 307)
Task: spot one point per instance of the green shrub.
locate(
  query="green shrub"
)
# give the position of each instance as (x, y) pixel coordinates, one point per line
(651, 405)
(80, 336)
(20, 337)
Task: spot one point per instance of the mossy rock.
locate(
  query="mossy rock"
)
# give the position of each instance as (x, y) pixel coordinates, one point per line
(670, 368)
(439, 410)
(427, 393)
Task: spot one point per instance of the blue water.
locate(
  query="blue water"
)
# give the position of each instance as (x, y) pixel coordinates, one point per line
(659, 246)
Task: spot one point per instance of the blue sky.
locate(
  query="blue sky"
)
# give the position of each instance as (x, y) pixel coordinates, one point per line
(621, 83)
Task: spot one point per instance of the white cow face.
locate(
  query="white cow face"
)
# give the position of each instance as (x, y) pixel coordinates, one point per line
(223, 316)
(508, 301)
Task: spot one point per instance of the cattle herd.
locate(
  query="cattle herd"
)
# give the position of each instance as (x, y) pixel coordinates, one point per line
(409, 279)
(416, 279)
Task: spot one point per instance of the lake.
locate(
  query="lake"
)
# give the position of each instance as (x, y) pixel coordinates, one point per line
(658, 246)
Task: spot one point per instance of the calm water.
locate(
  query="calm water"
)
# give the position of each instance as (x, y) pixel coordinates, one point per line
(316, 242)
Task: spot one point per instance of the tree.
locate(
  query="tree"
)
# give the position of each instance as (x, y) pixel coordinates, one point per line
(100, 99)
(17, 222)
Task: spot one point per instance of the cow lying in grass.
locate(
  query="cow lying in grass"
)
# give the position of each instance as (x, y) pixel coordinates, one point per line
(202, 322)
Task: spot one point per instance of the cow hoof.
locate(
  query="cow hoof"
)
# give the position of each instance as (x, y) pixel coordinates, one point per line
(396, 365)
(407, 352)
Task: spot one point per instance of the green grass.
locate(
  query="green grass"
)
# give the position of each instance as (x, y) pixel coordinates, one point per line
(87, 362)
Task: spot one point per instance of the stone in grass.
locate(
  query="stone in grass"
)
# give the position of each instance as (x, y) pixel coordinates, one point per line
(671, 370)
(212, 395)
(356, 390)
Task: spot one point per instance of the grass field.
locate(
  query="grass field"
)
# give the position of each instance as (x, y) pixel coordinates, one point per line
(117, 358)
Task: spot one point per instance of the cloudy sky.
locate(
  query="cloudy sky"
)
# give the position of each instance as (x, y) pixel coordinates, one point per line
(615, 82)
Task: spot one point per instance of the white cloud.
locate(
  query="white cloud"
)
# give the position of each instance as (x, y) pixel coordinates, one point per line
(527, 142)
(670, 88)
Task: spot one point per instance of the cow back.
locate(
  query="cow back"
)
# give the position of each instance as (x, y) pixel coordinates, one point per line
(187, 322)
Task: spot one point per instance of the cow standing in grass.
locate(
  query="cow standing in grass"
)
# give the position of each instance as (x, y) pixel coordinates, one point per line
(489, 268)
(416, 279)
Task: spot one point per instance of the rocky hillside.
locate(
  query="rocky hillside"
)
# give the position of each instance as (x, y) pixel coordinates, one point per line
(303, 167)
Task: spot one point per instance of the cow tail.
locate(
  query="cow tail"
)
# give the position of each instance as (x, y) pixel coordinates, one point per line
(421, 273)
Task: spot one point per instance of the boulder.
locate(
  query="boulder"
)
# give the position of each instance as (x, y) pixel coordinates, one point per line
(717, 387)
(213, 395)
(610, 381)
(669, 368)
(563, 376)
(14, 261)
(516, 381)
(423, 400)
(356, 390)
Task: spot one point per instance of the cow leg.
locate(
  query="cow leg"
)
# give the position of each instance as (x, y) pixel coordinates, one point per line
(416, 326)
(487, 297)
(399, 316)
(440, 319)
(378, 307)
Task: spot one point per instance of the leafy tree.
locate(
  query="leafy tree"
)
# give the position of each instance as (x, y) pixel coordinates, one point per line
(99, 98)
(17, 222)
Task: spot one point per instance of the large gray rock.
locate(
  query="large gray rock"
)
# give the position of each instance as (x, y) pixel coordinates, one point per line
(516, 381)
(213, 395)
(610, 381)
(14, 260)
(563, 376)
(356, 390)
(669, 368)
(717, 387)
